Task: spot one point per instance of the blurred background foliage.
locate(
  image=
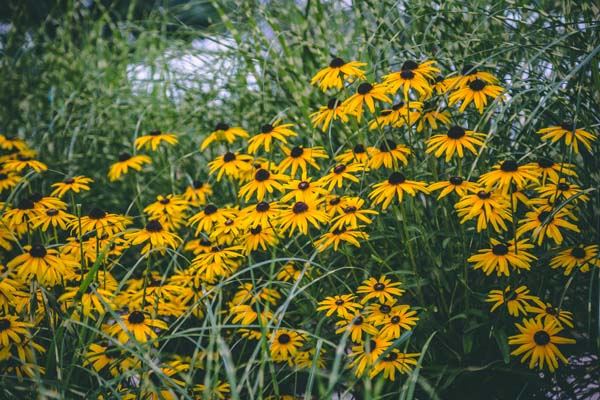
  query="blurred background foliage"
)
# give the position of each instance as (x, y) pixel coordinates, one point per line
(81, 79)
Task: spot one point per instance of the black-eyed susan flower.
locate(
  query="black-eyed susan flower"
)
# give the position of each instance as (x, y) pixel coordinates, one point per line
(334, 205)
(366, 93)
(332, 111)
(488, 207)
(572, 136)
(41, 263)
(268, 133)
(138, 325)
(582, 257)
(259, 236)
(197, 193)
(392, 362)
(366, 354)
(342, 305)
(101, 222)
(548, 169)
(340, 234)
(300, 214)
(264, 182)
(93, 302)
(154, 138)
(338, 70)
(285, 344)
(353, 213)
(544, 224)
(503, 255)
(439, 85)
(548, 313)
(22, 162)
(537, 342)
(378, 313)
(394, 188)
(401, 318)
(507, 173)
(356, 325)
(358, 154)
(169, 210)
(8, 180)
(389, 154)
(455, 184)
(233, 165)
(339, 173)
(73, 184)
(407, 79)
(12, 143)
(432, 116)
(298, 158)
(562, 190)
(127, 161)
(477, 92)
(20, 361)
(302, 190)
(105, 355)
(382, 289)
(516, 301)
(468, 74)
(249, 293)
(224, 133)
(263, 213)
(12, 330)
(455, 141)
(52, 217)
(400, 114)
(154, 236)
(209, 217)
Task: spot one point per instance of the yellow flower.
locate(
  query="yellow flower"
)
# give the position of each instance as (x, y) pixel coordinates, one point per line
(455, 141)
(43, 264)
(343, 305)
(332, 111)
(572, 136)
(392, 362)
(233, 165)
(476, 91)
(223, 133)
(546, 224)
(509, 173)
(267, 134)
(340, 172)
(12, 330)
(581, 256)
(365, 355)
(454, 184)
(336, 72)
(125, 162)
(154, 138)
(136, 325)
(264, 182)
(467, 75)
(300, 158)
(487, 207)
(300, 215)
(285, 344)
(366, 93)
(336, 235)
(21, 162)
(395, 186)
(75, 184)
(389, 154)
(502, 255)
(516, 301)
(155, 237)
(382, 289)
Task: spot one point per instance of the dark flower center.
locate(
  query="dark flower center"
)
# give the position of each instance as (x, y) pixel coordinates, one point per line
(198, 184)
(384, 308)
(51, 212)
(262, 175)
(228, 222)
(350, 209)
(563, 186)
(35, 197)
(300, 207)
(541, 338)
(439, 79)
(26, 204)
(339, 302)
(256, 230)
(216, 249)
(69, 181)
(359, 148)
(456, 132)
(284, 338)
(136, 317)
(164, 200)
(468, 70)
(38, 251)
(509, 166)
(398, 106)
(124, 157)
(551, 311)
(339, 168)
(388, 145)
(395, 319)
(205, 242)
(303, 185)
(477, 85)
(482, 194)
(155, 132)
(337, 62)
(97, 213)
(392, 356)
(372, 345)
(210, 209)
(229, 157)
(409, 65)
(578, 252)
(3, 176)
(543, 216)
(378, 287)
(335, 201)
(456, 180)
(358, 320)
(407, 74)
(221, 126)
(545, 163)
(500, 249)
(266, 128)
(333, 103)
(262, 206)
(154, 226)
(339, 231)
(4, 324)
(364, 88)
(385, 113)
(21, 157)
(396, 178)
(296, 152)
(568, 126)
